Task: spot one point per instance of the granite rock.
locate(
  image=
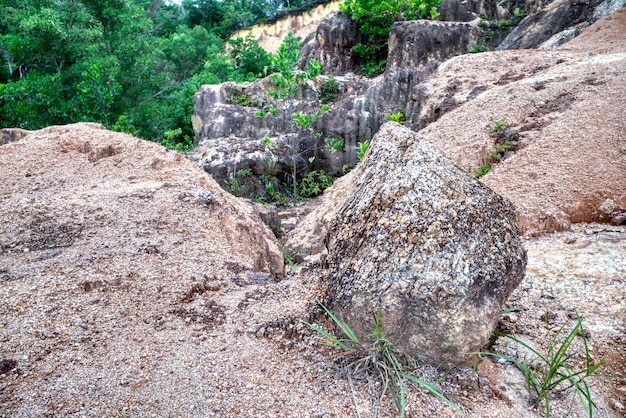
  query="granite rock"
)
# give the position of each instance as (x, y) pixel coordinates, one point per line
(436, 250)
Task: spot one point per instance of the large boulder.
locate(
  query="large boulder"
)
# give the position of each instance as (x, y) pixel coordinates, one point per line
(430, 246)
(78, 189)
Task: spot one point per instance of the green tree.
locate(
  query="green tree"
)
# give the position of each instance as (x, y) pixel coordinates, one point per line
(375, 18)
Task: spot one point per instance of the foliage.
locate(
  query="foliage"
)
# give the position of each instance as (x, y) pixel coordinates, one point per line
(375, 18)
(132, 65)
(286, 56)
(477, 48)
(362, 148)
(498, 125)
(334, 144)
(397, 117)
(235, 187)
(313, 184)
(289, 256)
(250, 59)
(484, 169)
(330, 90)
(243, 99)
(376, 358)
(314, 68)
(554, 371)
(506, 140)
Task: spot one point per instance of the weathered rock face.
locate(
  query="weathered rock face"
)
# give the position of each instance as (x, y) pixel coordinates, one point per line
(331, 45)
(229, 136)
(568, 116)
(433, 248)
(553, 18)
(416, 49)
(11, 135)
(468, 10)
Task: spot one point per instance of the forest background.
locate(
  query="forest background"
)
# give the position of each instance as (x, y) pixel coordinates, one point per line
(131, 65)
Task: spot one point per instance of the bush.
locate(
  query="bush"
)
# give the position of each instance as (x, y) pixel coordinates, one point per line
(314, 183)
(375, 18)
(330, 91)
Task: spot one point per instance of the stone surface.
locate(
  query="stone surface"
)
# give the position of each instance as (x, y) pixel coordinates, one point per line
(331, 45)
(468, 10)
(229, 136)
(553, 18)
(78, 189)
(12, 134)
(433, 248)
(569, 115)
(556, 192)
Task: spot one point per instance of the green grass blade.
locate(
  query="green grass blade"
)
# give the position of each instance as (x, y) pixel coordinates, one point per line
(434, 391)
(335, 342)
(344, 328)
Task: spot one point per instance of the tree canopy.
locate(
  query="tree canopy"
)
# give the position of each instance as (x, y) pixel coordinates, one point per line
(132, 65)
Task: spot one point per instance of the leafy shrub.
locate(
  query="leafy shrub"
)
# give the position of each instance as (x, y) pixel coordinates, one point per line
(362, 149)
(314, 69)
(243, 99)
(314, 183)
(333, 144)
(375, 18)
(397, 117)
(330, 90)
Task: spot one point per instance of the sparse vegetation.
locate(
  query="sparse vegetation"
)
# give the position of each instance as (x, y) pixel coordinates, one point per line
(362, 149)
(334, 144)
(376, 359)
(397, 117)
(314, 183)
(554, 372)
(375, 18)
(289, 257)
(506, 140)
(330, 90)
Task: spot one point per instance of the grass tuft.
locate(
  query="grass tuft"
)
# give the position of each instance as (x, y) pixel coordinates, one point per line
(376, 359)
(553, 373)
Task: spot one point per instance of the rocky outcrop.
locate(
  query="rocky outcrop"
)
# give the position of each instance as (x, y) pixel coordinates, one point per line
(468, 10)
(430, 246)
(229, 135)
(12, 134)
(556, 16)
(563, 120)
(568, 116)
(270, 35)
(331, 45)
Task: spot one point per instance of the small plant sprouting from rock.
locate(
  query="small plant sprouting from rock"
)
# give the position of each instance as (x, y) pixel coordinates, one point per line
(376, 359)
(334, 144)
(477, 48)
(397, 117)
(314, 183)
(554, 372)
(362, 149)
(330, 90)
(506, 140)
(289, 257)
